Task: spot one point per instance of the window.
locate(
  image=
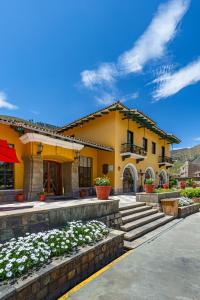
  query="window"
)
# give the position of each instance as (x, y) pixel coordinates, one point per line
(6, 176)
(145, 144)
(85, 171)
(163, 151)
(130, 137)
(153, 149)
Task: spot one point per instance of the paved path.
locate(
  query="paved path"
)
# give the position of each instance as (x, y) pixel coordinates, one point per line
(167, 268)
(49, 203)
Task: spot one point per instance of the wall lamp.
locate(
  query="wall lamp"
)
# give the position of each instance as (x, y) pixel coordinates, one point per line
(39, 148)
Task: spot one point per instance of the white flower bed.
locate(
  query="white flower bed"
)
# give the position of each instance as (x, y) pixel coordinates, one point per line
(184, 201)
(18, 256)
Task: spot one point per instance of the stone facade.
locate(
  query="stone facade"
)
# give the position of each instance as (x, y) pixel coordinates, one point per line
(17, 223)
(33, 180)
(70, 178)
(64, 273)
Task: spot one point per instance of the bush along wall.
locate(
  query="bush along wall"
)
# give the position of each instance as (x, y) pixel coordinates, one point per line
(191, 193)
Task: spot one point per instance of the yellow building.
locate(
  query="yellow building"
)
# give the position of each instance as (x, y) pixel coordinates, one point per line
(121, 143)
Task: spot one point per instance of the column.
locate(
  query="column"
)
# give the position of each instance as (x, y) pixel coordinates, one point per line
(33, 176)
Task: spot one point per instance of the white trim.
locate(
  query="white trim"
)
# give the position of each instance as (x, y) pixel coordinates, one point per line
(165, 175)
(152, 172)
(134, 155)
(134, 173)
(35, 137)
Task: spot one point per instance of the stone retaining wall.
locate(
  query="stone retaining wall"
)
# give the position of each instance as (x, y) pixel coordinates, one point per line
(154, 199)
(17, 223)
(64, 273)
(188, 210)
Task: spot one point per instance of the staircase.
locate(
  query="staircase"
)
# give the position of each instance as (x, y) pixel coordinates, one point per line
(138, 220)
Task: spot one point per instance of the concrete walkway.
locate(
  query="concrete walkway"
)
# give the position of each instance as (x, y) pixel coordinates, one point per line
(167, 268)
(49, 203)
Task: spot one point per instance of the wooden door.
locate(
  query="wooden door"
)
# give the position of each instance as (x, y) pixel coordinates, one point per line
(52, 181)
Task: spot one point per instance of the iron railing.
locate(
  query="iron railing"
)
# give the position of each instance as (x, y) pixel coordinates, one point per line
(131, 148)
(165, 159)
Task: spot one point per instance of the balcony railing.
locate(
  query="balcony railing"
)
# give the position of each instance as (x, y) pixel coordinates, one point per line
(132, 149)
(165, 160)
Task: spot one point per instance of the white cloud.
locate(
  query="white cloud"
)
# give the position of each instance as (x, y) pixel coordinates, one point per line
(171, 83)
(151, 45)
(108, 98)
(105, 73)
(4, 102)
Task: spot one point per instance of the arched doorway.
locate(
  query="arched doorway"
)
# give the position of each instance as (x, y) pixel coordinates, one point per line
(149, 173)
(130, 178)
(163, 178)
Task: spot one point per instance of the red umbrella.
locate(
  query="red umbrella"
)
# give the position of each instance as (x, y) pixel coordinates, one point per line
(7, 154)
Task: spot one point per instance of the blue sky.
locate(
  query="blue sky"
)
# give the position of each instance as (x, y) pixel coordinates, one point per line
(63, 59)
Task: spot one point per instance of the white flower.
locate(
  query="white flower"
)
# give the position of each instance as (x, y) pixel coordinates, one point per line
(21, 268)
(8, 267)
(9, 274)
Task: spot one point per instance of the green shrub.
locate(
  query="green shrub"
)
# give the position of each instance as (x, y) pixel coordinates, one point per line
(160, 190)
(190, 182)
(191, 193)
(149, 181)
(102, 181)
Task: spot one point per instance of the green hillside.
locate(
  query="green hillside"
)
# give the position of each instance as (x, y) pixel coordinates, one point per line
(182, 155)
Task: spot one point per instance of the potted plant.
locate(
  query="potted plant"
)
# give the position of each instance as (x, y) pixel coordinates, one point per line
(165, 186)
(103, 188)
(83, 193)
(149, 185)
(183, 185)
(20, 197)
(189, 182)
(41, 196)
(194, 185)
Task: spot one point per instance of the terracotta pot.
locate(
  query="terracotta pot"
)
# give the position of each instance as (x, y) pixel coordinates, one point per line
(165, 186)
(183, 185)
(82, 193)
(194, 185)
(41, 197)
(20, 197)
(149, 188)
(103, 192)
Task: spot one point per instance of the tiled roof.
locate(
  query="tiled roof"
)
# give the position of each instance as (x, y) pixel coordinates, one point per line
(133, 114)
(48, 130)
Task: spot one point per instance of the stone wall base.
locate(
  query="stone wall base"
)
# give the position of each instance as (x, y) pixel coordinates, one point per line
(62, 274)
(17, 223)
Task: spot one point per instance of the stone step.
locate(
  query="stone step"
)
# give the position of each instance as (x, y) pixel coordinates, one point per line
(131, 211)
(138, 215)
(142, 221)
(130, 206)
(140, 231)
(152, 235)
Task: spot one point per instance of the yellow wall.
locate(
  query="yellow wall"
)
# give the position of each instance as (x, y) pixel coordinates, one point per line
(139, 133)
(12, 137)
(111, 130)
(52, 152)
(101, 130)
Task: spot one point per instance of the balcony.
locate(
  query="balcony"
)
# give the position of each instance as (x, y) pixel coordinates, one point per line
(131, 150)
(165, 161)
